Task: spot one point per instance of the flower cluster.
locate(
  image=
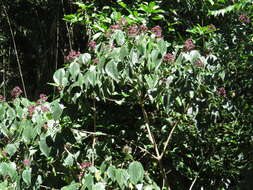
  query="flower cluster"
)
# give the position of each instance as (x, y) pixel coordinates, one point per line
(244, 18)
(92, 44)
(188, 45)
(199, 64)
(222, 92)
(26, 162)
(96, 60)
(44, 109)
(31, 110)
(43, 98)
(2, 98)
(169, 57)
(143, 28)
(133, 30)
(85, 165)
(115, 27)
(157, 31)
(72, 55)
(16, 92)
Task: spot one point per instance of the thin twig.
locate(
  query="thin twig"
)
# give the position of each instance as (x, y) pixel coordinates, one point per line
(16, 52)
(194, 181)
(67, 27)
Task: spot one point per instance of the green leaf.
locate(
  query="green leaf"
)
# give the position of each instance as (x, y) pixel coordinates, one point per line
(69, 161)
(84, 58)
(11, 149)
(119, 37)
(56, 110)
(111, 171)
(99, 186)
(44, 147)
(121, 177)
(8, 169)
(74, 70)
(26, 175)
(136, 172)
(60, 77)
(88, 182)
(112, 70)
(72, 186)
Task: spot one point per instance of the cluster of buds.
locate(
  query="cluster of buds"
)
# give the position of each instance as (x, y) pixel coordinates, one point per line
(72, 55)
(26, 162)
(2, 98)
(43, 98)
(199, 64)
(31, 110)
(169, 57)
(44, 108)
(222, 92)
(84, 165)
(96, 60)
(157, 31)
(115, 27)
(188, 45)
(16, 92)
(143, 28)
(244, 18)
(133, 30)
(92, 44)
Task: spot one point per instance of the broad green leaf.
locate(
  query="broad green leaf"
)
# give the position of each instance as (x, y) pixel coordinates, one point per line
(74, 70)
(112, 70)
(111, 172)
(44, 147)
(11, 149)
(26, 175)
(84, 58)
(56, 110)
(60, 77)
(88, 182)
(121, 177)
(29, 132)
(69, 161)
(8, 169)
(72, 186)
(99, 186)
(136, 172)
(119, 37)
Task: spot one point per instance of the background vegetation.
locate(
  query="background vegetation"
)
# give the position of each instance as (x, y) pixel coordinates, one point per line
(126, 94)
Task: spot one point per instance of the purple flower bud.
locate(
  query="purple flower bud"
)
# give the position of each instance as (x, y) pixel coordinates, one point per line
(199, 64)
(72, 55)
(96, 60)
(2, 98)
(222, 92)
(188, 45)
(16, 92)
(169, 57)
(31, 110)
(27, 162)
(92, 44)
(133, 30)
(143, 28)
(44, 109)
(244, 18)
(115, 27)
(157, 31)
(85, 165)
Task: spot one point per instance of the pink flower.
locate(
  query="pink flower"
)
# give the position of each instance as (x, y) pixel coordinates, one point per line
(244, 18)
(43, 98)
(188, 45)
(222, 92)
(27, 162)
(16, 92)
(133, 30)
(115, 27)
(2, 98)
(169, 57)
(31, 110)
(143, 28)
(199, 64)
(44, 109)
(92, 44)
(72, 55)
(96, 60)
(85, 165)
(158, 31)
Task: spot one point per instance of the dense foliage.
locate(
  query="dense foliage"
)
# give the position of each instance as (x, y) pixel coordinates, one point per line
(141, 94)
